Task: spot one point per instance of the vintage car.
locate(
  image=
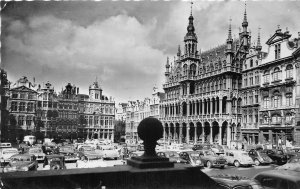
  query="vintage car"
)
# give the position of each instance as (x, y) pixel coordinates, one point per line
(53, 162)
(38, 152)
(21, 162)
(172, 155)
(108, 152)
(192, 158)
(88, 152)
(69, 153)
(202, 147)
(6, 153)
(293, 164)
(218, 149)
(279, 179)
(277, 156)
(259, 157)
(210, 159)
(291, 152)
(238, 158)
(236, 182)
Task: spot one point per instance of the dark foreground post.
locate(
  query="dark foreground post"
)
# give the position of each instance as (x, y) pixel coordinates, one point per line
(146, 171)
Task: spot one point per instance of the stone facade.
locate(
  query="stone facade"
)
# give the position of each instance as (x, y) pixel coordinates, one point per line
(98, 112)
(136, 111)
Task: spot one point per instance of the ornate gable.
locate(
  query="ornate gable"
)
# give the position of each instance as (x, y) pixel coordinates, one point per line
(23, 89)
(278, 36)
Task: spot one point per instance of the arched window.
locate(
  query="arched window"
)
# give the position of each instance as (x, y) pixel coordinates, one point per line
(251, 63)
(266, 76)
(288, 118)
(266, 102)
(185, 70)
(289, 71)
(276, 99)
(276, 74)
(289, 99)
(193, 69)
(276, 118)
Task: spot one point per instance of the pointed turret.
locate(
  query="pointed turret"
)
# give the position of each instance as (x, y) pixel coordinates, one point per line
(190, 38)
(179, 52)
(229, 51)
(245, 22)
(167, 73)
(258, 45)
(244, 35)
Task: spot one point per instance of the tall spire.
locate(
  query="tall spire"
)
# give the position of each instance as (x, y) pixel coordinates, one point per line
(191, 7)
(245, 22)
(190, 28)
(229, 30)
(179, 51)
(258, 45)
(167, 64)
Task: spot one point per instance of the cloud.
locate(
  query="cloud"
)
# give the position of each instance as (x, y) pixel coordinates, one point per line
(116, 50)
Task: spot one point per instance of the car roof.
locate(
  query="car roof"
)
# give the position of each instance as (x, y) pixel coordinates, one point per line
(285, 174)
(22, 155)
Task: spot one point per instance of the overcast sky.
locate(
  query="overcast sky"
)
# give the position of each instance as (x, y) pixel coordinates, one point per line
(124, 44)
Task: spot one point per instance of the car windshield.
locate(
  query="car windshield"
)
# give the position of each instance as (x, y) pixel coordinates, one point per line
(88, 149)
(295, 160)
(209, 153)
(20, 159)
(10, 151)
(35, 151)
(173, 155)
(194, 156)
(280, 152)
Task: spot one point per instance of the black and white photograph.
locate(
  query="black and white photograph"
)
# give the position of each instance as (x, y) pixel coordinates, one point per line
(150, 94)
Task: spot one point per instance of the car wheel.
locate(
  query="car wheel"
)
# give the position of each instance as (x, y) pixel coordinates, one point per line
(236, 163)
(208, 164)
(55, 167)
(256, 162)
(222, 167)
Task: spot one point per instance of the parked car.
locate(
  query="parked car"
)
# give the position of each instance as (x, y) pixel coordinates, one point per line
(38, 152)
(48, 149)
(238, 158)
(291, 152)
(259, 157)
(236, 182)
(54, 162)
(202, 147)
(108, 152)
(5, 145)
(93, 163)
(218, 149)
(6, 153)
(279, 179)
(69, 153)
(277, 156)
(192, 158)
(292, 164)
(172, 155)
(210, 159)
(88, 152)
(21, 162)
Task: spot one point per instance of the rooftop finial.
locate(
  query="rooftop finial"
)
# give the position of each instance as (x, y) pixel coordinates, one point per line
(191, 7)
(258, 45)
(245, 22)
(229, 31)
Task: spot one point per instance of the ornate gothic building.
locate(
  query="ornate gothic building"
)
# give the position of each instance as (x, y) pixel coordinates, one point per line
(215, 96)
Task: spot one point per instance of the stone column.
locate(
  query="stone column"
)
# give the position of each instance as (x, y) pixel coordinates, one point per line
(228, 106)
(180, 134)
(195, 133)
(211, 135)
(216, 106)
(188, 89)
(228, 135)
(202, 107)
(211, 107)
(169, 134)
(270, 137)
(203, 134)
(187, 134)
(188, 109)
(235, 132)
(220, 135)
(220, 106)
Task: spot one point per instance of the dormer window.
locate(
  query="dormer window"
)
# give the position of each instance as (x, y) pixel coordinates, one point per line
(277, 51)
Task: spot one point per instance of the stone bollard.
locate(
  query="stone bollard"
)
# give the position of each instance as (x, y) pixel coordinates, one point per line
(150, 130)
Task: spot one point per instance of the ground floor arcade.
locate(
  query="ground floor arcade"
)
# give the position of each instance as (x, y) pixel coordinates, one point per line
(201, 132)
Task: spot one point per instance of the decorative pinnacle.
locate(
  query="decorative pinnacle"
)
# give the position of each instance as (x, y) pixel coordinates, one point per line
(258, 45)
(167, 65)
(191, 7)
(245, 22)
(229, 31)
